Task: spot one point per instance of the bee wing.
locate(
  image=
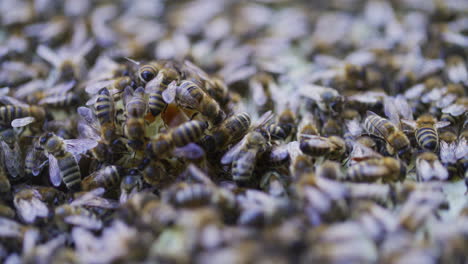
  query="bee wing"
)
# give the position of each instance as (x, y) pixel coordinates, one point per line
(190, 151)
(84, 221)
(21, 122)
(87, 114)
(170, 93)
(264, 119)
(49, 55)
(415, 91)
(100, 203)
(54, 171)
(196, 70)
(354, 127)
(232, 153)
(30, 209)
(154, 85)
(361, 152)
(391, 111)
(280, 153)
(461, 150)
(410, 123)
(439, 170)
(94, 87)
(61, 88)
(403, 107)
(258, 94)
(79, 146)
(4, 91)
(8, 100)
(50, 100)
(424, 169)
(83, 50)
(13, 160)
(88, 196)
(447, 152)
(454, 110)
(127, 95)
(442, 124)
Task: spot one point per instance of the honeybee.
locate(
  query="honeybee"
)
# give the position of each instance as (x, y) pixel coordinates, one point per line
(190, 96)
(228, 132)
(426, 132)
(156, 103)
(332, 147)
(32, 202)
(327, 99)
(244, 156)
(165, 70)
(106, 177)
(451, 154)
(155, 173)
(331, 127)
(63, 164)
(258, 208)
(75, 212)
(386, 169)
(456, 70)
(307, 126)
(18, 114)
(261, 86)
(12, 159)
(134, 128)
(68, 62)
(131, 184)
(330, 170)
(177, 137)
(428, 167)
(381, 127)
(104, 111)
(376, 192)
(189, 195)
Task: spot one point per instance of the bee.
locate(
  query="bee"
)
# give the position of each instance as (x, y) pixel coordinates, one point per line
(428, 167)
(106, 177)
(131, 184)
(451, 154)
(330, 170)
(190, 96)
(418, 208)
(228, 132)
(11, 155)
(307, 126)
(35, 159)
(149, 71)
(327, 99)
(189, 195)
(63, 164)
(332, 147)
(156, 103)
(381, 127)
(134, 127)
(376, 192)
(177, 137)
(261, 86)
(386, 169)
(274, 183)
(60, 101)
(426, 132)
(115, 87)
(105, 111)
(244, 157)
(258, 208)
(32, 202)
(18, 114)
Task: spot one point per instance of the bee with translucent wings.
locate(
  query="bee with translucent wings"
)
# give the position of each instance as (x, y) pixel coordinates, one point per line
(11, 153)
(244, 155)
(19, 114)
(63, 156)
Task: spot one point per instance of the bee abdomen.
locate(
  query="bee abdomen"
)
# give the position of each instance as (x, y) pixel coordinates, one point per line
(156, 103)
(189, 132)
(427, 138)
(70, 172)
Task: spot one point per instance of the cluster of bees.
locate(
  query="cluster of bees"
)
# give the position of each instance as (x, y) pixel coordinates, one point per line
(233, 131)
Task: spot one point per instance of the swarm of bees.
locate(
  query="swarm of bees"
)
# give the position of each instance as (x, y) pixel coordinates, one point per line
(233, 131)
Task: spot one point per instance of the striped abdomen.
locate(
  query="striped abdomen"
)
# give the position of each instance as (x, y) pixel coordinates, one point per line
(104, 107)
(188, 132)
(242, 168)
(427, 138)
(106, 177)
(70, 171)
(9, 113)
(156, 103)
(378, 126)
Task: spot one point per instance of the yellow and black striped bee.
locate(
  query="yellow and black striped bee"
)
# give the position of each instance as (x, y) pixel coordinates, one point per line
(105, 111)
(381, 127)
(136, 107)
(18, 114)
(178, 137)
(190, 96)
(386, 169)
(244, 156)
(106, 177)
(228, 132)
(332, 147)
(63, 164)
(149, 71)
(426, 132)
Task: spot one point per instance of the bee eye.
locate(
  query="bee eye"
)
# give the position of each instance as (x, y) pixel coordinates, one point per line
(147, 76)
